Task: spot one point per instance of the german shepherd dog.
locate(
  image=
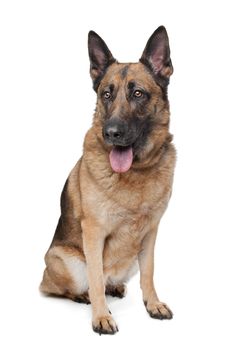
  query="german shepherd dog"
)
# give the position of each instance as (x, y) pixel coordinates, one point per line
(115, 196)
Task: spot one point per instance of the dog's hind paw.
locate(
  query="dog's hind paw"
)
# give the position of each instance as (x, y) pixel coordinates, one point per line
(82, 298)
(118, 291)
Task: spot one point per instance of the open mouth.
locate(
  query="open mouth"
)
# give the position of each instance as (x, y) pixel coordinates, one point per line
(121, 158)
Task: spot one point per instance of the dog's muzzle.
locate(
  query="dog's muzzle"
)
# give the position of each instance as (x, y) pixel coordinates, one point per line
(116, 132)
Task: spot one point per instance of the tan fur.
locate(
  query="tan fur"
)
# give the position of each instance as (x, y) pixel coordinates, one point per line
(111, 219)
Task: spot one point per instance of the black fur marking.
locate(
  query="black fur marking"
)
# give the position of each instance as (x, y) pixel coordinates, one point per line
(115, 291)
(111, 88)
(115, 294)
(144, 127)
(131, 85)
(82, 299)
(60, 229)
(124, 72)
(64, 201)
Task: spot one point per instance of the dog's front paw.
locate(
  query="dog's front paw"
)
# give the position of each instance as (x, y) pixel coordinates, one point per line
(104, 325)
(158, 310)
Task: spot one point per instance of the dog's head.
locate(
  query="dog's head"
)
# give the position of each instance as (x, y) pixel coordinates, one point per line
(132, 98)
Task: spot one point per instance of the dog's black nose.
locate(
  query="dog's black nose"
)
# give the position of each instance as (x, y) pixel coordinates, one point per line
(114, 132)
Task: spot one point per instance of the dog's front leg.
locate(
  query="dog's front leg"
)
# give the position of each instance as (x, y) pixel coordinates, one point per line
(155, 308)
(93, 241)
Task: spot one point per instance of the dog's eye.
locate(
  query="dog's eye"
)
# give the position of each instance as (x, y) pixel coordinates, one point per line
(107, 95)
(137, 93)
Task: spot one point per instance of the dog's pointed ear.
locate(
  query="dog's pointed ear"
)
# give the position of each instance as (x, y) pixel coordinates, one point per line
(100, 57)
(156, 56)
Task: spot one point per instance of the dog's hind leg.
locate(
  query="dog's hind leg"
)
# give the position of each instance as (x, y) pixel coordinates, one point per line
(65, 274)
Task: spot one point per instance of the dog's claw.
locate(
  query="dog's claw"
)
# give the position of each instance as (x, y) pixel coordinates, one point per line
(105, 325)
(159, 311)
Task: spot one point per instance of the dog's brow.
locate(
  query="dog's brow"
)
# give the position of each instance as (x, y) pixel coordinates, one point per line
(124, 71)
(131, 84)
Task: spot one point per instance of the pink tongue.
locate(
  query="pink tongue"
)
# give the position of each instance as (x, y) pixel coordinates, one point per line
(121, 159)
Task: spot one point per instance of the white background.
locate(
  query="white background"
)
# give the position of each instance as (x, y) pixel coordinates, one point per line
(46, 106)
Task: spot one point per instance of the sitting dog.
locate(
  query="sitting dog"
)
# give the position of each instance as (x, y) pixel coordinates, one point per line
(115, 196)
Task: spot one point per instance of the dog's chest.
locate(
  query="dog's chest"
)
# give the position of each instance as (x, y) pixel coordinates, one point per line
(133, 218)
(127, 229)
(130, 205)
(132, 209)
